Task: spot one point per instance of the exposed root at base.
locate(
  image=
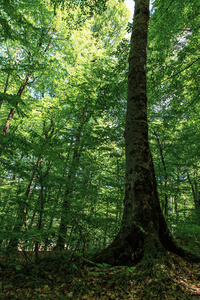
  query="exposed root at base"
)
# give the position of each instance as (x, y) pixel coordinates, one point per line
(137, 246)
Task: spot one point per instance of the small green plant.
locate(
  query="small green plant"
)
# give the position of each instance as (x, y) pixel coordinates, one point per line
(18, 267)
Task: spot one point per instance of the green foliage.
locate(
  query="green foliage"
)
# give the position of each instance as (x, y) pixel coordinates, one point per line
(61, 161)
(173, 93)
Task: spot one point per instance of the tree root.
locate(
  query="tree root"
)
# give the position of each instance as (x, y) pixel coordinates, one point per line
(137, 246)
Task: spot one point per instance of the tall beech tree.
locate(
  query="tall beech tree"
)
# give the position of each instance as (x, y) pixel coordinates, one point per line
(62, 151)
(144, 231)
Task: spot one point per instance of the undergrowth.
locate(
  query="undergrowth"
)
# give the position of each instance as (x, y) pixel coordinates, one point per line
(59, 276)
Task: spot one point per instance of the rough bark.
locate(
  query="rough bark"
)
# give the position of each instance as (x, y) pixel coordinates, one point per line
(144, 231)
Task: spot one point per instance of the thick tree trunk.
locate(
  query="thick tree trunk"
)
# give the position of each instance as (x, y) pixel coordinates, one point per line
(144, 231)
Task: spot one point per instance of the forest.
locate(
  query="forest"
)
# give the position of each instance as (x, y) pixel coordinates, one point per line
(99, 147)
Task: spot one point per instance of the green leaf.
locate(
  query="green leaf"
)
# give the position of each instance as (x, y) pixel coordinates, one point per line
(18, 267)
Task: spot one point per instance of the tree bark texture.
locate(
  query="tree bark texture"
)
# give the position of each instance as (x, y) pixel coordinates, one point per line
(144, 231)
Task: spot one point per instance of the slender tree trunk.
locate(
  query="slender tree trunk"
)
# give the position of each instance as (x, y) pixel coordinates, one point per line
(12, 111)
(165, 174)
(21, 218)
(196, 185)
(62, 232)
(5, 89)
(144, 231)
(23, 85)
(39, 226)
(195, 193)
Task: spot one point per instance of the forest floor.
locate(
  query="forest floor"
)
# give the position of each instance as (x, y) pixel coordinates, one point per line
(57, 277)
